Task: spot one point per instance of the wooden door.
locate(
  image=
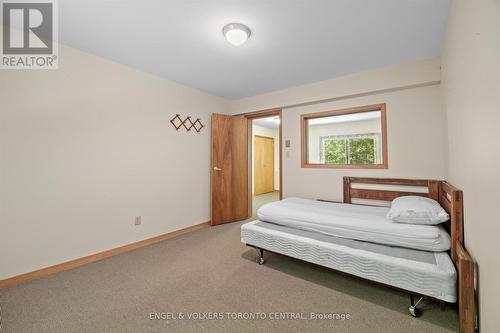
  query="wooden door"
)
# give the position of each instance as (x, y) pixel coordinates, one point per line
(263, 164)
(229, 180)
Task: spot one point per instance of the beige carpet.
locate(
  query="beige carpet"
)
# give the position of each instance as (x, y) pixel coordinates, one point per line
(209, 271)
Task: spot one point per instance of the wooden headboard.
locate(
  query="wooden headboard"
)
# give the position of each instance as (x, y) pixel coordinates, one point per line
(449, 197)
(376, 190)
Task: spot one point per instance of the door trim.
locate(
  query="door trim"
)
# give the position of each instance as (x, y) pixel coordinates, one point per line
(264, 114)
(263, 136)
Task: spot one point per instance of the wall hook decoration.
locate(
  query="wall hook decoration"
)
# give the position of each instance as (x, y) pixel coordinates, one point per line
(198, 126)
(187, 123)
(188, 119)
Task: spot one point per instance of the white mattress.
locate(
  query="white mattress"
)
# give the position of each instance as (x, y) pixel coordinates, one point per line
(427, 273)
(365, 223)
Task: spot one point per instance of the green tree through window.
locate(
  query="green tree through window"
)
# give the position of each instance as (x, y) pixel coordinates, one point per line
(335, 151)
(347, 150)
(362, 151)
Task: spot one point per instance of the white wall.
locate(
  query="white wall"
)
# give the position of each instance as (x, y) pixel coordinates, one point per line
(272, 133)
(471, 98)
(415, 120)
(84, 149)
(349, 86)
(415, 134)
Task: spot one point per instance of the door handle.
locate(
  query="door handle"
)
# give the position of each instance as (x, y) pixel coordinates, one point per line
(217, 169)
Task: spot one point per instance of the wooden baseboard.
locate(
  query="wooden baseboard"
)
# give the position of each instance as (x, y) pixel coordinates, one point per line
(96, 257)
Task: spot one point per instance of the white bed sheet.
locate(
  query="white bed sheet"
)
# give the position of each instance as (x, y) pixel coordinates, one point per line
(365, 223)
(411, 270)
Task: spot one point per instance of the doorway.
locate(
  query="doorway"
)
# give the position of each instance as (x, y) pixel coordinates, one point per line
(265, 159)
(232, 171)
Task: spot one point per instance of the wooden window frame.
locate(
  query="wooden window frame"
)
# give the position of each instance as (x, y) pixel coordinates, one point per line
(359, 109)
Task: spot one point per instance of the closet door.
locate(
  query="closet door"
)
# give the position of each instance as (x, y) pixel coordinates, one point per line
(263, 164)
(229, 179)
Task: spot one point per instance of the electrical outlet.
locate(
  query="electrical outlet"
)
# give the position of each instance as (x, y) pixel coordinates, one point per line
(138, 220)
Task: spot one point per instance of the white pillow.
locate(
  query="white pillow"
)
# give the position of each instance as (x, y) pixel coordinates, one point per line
(417, 210)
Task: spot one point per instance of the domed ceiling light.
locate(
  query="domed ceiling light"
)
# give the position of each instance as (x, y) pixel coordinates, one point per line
(236, 33)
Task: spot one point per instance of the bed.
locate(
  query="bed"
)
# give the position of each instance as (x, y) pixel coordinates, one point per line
(427, 262)
(359, 222)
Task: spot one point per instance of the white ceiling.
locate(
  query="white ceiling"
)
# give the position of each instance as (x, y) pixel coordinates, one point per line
(269, 122)
(293, 42)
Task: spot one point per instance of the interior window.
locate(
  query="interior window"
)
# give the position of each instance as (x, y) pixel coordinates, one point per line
(349, 138)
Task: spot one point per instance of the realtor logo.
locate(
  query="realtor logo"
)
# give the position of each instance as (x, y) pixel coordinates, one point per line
(29, 34)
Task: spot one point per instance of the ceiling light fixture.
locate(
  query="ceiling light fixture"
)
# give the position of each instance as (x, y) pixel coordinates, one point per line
(236, 33)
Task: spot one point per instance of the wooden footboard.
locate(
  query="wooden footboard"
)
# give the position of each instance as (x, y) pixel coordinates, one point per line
(466, 290)
(450, 198)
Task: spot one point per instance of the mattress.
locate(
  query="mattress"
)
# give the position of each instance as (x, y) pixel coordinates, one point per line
(365, 223)
(426, 273)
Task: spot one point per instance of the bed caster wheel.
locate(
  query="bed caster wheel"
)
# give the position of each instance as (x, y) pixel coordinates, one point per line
(260, 260)
(414, 311)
